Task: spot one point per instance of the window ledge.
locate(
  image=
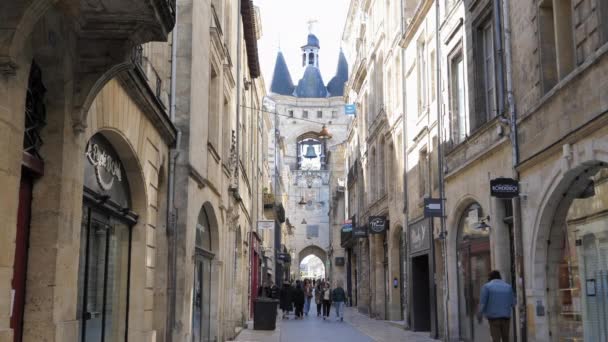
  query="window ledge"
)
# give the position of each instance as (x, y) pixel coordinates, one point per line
(563, 83)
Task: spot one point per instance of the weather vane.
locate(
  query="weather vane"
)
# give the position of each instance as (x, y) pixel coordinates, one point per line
(310, 22)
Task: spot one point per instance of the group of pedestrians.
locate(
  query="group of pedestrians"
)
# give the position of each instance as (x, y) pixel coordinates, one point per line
(299, 296)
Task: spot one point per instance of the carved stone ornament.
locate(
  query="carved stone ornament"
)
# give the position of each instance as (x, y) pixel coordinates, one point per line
(107, 169)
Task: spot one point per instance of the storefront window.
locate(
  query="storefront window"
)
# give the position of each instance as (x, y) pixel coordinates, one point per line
(581, 283)
(474, 265)
(104, 267)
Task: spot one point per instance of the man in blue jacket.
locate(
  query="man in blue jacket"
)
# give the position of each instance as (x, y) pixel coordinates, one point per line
(497, 300)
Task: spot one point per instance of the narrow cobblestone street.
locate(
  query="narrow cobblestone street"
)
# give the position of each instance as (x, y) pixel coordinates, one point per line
(355, 328)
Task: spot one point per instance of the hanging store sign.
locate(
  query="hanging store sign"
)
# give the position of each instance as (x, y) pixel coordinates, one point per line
(350, 109)
(284, 257)
(504, 188)
(347, 227)
(420, 236)
(339, 261)
(432, 207)
(359, 231)
(377, 224)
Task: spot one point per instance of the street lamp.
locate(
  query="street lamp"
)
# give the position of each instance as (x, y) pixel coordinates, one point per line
(324, 134)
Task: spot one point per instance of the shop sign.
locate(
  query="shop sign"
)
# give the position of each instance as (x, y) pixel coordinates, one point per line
(504, 188)
(350, 109)
(339, 261)
(359, 231)
(420, 236)
(432, 207)
(377, 224)
(265, 224)
(284, 257)
(107, 167)
(347, 227)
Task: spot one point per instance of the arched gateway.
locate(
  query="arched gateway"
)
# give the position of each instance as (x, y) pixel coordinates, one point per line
(312, 250)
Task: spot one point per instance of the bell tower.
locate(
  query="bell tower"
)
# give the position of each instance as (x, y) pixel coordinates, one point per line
(310, 51)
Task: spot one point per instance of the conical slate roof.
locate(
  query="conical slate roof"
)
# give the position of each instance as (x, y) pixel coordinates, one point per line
(281, 79)
(335, 87)
(311, 84)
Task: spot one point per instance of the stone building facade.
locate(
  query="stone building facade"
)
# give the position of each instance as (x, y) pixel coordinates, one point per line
(219, 178)
(374, 159)
(86, 135)
(559, 78)
(126, 214)
(492, 90)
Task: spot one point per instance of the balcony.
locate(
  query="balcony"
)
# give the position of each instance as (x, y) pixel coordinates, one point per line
(141, 21)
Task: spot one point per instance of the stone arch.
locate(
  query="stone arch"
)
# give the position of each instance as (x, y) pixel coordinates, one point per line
(312, 250)
(139, 204)
(568, 179)
(452, 221)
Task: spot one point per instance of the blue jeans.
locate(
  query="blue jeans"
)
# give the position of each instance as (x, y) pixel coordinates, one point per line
(307, 304)
(339, 309)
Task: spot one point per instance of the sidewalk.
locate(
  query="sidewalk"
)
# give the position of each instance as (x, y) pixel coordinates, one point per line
(250, 335)
(355, 328)
(383, 331)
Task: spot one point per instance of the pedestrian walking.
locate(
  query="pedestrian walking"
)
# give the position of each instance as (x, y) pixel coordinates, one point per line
(326, 300)
(298, 299)
(285, 299)
(338, 297)
(496, 301)
(319, 298)
(307, 296)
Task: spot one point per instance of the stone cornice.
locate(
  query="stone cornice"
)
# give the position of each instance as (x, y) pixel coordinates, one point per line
(135, 84)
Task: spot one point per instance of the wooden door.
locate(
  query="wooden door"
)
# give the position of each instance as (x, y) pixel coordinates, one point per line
(20, 263)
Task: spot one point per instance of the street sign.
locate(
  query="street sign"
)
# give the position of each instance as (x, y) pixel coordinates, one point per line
(265, 224)
(377, 224)
(504, 188)
(432, 207)
(350, 109)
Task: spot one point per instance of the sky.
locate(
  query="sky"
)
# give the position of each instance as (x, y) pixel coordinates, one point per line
(285, 24)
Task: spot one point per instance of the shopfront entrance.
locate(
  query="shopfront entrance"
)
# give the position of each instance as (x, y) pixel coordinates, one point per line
(474, 265)
(105, 257)
(577, 273)
(421, 279)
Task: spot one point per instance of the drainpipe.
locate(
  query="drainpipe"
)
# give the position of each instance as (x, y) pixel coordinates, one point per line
(404, 148)
(441, 180)
(239, 81)
(171, 210)
(517, 224)
(405, 201)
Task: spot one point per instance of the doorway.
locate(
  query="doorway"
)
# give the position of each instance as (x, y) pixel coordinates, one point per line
(21, 247)
(203, 294)
(473, 265)
(104, 271)
(421, 293)
(201, 313)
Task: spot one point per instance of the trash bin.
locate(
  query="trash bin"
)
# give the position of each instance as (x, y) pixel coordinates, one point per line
(265, 313)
